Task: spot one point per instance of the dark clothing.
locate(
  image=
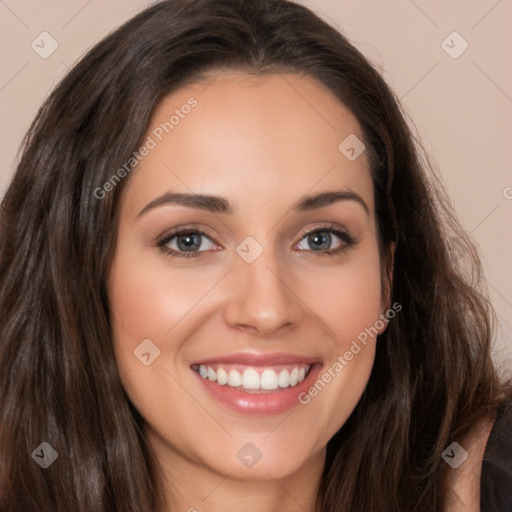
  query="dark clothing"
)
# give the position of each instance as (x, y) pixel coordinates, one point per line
(496, 483)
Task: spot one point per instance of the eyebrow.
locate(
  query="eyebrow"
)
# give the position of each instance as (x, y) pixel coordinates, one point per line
(217, 204)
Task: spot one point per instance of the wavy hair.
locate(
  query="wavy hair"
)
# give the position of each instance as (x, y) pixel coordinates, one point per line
(433, 375)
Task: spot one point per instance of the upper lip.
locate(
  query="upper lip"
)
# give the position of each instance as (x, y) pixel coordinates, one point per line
(259, 359)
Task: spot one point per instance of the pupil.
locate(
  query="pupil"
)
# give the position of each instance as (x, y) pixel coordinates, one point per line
(324, 239)
(189, 241)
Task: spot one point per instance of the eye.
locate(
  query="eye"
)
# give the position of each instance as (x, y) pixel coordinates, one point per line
(184, 243)
(320, 241)
(190, 242)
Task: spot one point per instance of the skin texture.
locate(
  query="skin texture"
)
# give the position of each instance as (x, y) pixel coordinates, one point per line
(262, 143)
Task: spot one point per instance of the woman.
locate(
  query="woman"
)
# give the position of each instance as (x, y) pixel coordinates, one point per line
(226, 284)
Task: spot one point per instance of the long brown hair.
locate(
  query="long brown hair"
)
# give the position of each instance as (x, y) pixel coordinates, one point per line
(433, 375)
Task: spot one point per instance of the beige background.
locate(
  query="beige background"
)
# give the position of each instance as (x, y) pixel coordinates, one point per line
(461, 106)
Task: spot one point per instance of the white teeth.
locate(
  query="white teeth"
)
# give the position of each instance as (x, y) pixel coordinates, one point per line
(234, 379)
(269, 379)
(284, 379)
(222, 376)
(252, 379)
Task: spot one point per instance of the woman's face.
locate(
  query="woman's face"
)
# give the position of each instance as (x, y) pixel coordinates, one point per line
(203, 321)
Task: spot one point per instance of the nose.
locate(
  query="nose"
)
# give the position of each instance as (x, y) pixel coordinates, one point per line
(261, 297)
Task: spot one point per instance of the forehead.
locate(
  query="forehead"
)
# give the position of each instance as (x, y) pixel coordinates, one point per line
(251, 136)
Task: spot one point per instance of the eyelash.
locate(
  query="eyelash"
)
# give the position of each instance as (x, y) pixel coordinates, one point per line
(347, 241)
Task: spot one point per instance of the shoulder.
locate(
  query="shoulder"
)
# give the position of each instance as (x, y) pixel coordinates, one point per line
(484, 480)
(496, 482)
(464, 481)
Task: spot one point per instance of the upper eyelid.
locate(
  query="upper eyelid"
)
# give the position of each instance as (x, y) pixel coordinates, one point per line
(171, 233)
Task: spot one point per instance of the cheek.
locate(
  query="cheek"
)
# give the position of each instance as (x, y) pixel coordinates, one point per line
(147, 299)
(348, 302)
(144, 306)
(347, 297)
(146, 303)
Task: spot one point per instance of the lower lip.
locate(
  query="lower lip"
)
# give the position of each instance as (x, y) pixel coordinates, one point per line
(267, 403)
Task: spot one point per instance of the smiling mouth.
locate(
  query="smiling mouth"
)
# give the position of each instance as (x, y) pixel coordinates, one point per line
(254, 379)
